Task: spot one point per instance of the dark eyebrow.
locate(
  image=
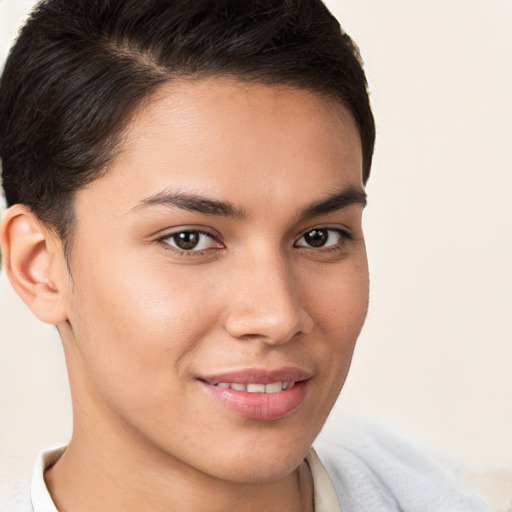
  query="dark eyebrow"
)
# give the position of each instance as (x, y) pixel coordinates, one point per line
(338, 201)
(200, 204)
(193, 203)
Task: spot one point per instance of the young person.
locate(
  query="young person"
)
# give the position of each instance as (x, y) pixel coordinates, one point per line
(185, 183)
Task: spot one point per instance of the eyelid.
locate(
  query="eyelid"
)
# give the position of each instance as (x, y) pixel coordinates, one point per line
(189, 229)
(345, 232)
(345, 236)
(165, 233)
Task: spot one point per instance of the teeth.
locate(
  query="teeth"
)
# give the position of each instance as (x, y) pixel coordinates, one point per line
(274, 387)
(256, 388)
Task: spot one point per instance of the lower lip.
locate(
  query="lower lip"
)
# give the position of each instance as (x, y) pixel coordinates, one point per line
(260, 406)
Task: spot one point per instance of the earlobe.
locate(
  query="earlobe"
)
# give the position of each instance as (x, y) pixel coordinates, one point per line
(33, 261)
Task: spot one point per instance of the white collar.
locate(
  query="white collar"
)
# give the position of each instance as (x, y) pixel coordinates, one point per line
(41, 499)
(326, 499)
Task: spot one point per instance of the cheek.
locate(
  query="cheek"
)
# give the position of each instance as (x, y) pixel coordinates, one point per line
(340, 298)
(340, 307)
(136, 329)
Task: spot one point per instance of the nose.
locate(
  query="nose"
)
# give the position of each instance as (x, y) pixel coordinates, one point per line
(266, 304)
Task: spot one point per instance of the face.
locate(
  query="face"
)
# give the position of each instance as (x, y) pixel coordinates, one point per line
(220, 278)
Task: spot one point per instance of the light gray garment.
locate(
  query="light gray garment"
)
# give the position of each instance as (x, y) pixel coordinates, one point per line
(375, 469)
(370, 469)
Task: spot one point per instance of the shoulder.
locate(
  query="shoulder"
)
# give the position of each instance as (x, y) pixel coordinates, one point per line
(374, 468)
(15, 494)
(27, 491)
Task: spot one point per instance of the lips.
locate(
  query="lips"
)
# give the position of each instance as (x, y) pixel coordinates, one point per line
(259, 394)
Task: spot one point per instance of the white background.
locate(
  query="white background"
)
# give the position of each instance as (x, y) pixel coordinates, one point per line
(435, 356)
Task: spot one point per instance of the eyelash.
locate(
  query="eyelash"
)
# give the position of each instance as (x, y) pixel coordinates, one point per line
(184, 252)
(344, 235)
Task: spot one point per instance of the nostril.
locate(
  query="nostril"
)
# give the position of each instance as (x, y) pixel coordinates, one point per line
(269, 306)
(273, 329)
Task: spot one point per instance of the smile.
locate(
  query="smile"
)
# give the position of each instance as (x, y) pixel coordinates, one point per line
(274, 387)
(258, 393)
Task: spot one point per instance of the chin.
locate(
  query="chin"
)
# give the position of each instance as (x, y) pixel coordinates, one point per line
(257, 470)
(263, 461)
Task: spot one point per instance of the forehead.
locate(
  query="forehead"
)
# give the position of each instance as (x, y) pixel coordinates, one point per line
(234, 140)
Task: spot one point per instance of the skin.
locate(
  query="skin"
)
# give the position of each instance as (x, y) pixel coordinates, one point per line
(142, 321)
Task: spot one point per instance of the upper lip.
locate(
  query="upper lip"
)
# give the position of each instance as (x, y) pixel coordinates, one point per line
(259, 375)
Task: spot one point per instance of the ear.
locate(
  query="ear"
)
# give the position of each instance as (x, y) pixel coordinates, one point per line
(34, 261)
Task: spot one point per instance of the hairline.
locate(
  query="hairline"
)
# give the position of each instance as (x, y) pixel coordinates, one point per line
(330, 100)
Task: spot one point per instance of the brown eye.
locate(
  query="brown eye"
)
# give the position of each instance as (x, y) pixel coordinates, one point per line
(323, 237)
(189, 240)
(186, 240)
(316, 237)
